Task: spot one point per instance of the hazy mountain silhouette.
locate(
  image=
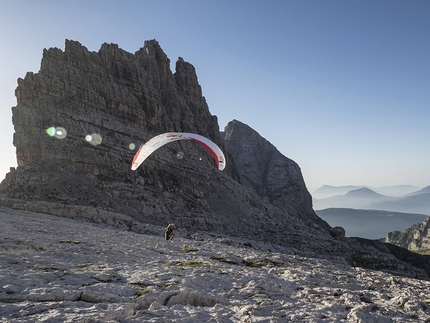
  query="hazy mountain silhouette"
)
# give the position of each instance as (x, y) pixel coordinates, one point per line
(364, 193)
(424, 190)
(392, 191)
(395, 191)
(370, 224)
(416, 202)
(356, 199)
(330, 191)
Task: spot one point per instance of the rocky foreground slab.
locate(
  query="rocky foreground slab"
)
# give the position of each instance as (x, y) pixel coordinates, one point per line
(56, 269)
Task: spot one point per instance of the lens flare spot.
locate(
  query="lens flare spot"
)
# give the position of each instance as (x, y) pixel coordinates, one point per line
(180, 154)
(132, 146)
(50, 131)
(57, 132)
(94, 139)
(60, 133)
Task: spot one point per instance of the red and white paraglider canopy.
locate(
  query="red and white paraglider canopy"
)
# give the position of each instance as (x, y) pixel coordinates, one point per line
(154, 143)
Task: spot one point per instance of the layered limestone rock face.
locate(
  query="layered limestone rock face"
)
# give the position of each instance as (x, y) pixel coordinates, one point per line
(124, 98)
(417, 237)
(76, 122)
(267, 172)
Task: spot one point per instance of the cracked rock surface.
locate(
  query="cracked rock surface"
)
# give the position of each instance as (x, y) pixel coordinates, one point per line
(56, 269)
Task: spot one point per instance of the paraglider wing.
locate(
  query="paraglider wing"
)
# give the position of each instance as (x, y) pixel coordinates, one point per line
(154, 143)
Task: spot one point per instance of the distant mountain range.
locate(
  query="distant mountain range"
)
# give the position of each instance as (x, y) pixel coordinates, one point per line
(393, 191)
(417, 202)
(370, 224)
(364, 198)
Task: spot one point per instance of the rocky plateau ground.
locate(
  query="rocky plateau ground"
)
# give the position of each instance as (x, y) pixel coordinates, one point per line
(56, 269)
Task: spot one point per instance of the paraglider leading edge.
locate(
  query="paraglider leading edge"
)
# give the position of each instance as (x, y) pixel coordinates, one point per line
(158, 141)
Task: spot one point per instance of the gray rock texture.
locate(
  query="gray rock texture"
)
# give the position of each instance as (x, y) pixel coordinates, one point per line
(58, 269)
(417, 237)
(79, 120)
(274, 177)
(125, 98)
(120, 99)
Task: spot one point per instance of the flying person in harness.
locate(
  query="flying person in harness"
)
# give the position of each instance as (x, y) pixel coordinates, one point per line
(169, 232)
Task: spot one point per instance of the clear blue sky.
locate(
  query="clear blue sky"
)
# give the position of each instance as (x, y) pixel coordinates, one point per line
(341, 87)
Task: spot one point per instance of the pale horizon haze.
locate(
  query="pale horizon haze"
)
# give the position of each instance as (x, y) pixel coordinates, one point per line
(340, 87)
